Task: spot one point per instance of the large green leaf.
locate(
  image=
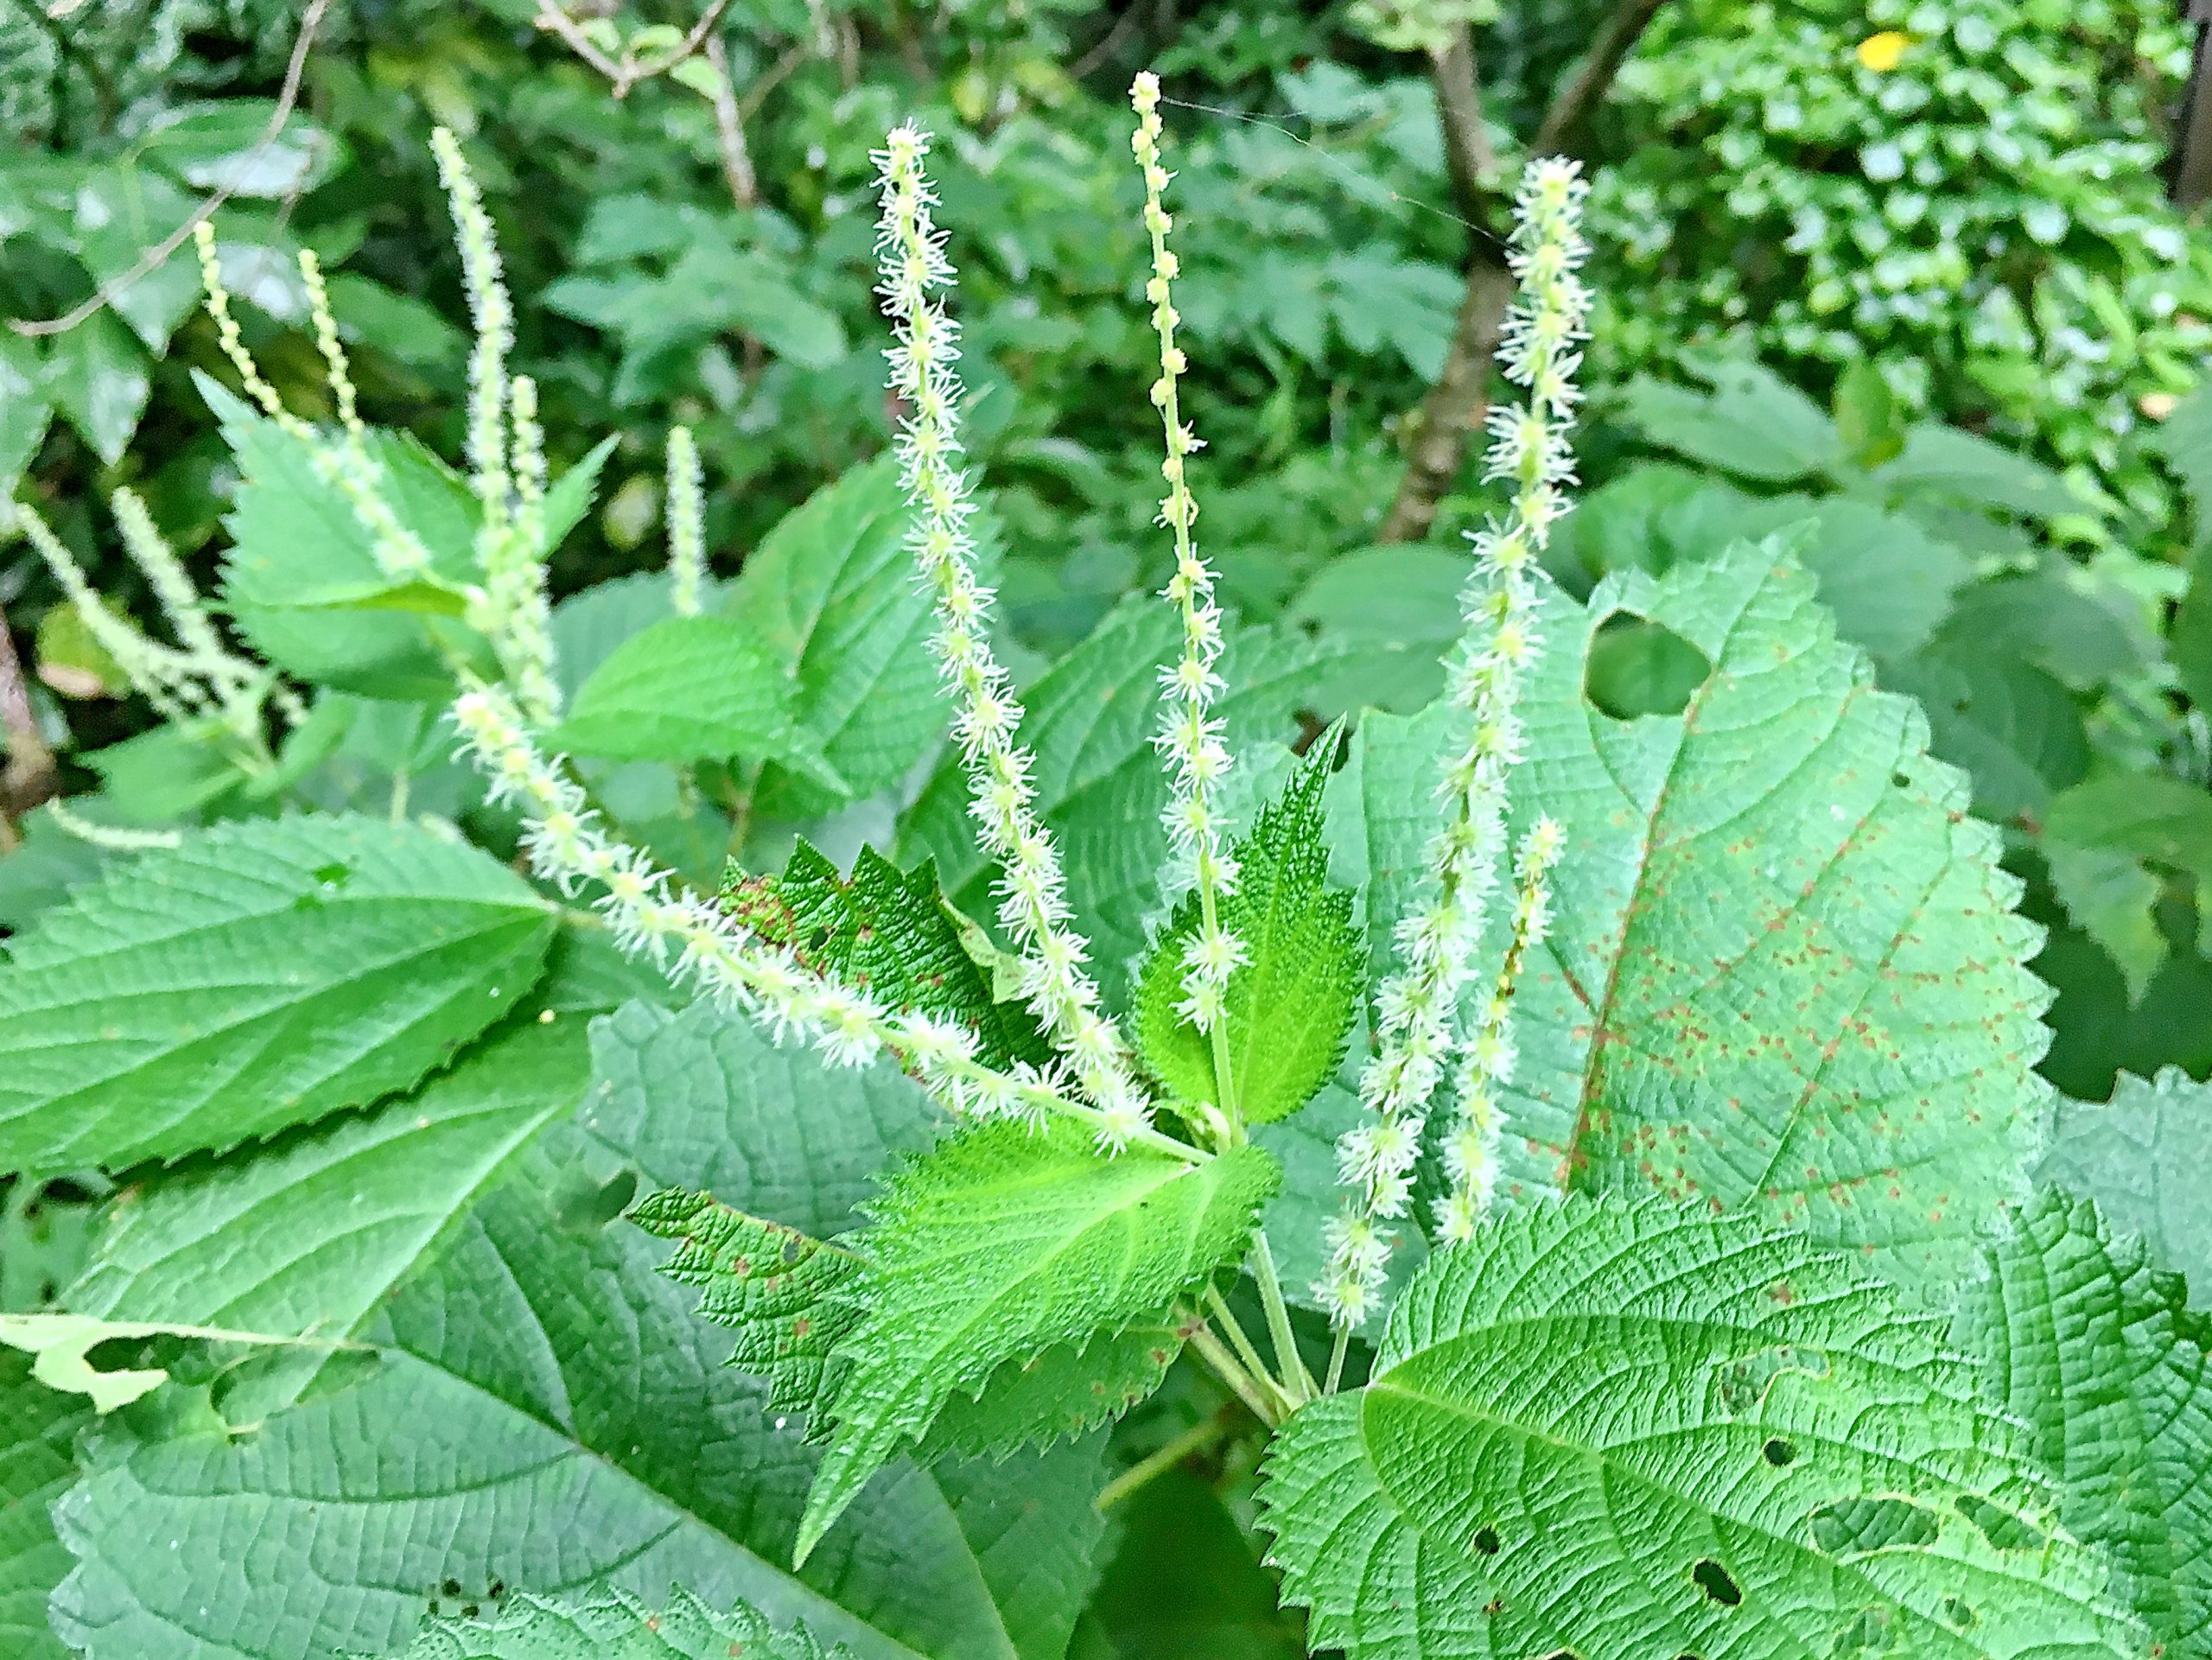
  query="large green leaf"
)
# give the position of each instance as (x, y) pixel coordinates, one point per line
(1641, 1432)
(543, 1414)
(261, 975)
(1090, 722)
(1291, 1004)
(38, 1427)
(2143, 1158)
(2167, 820)
(613, 1626)
(695, 688)
(830, 595)
(303, 578)
(2082, 1340)
(1784, 973)
(310, 1235)
(2012, 729)
(1005, 1243)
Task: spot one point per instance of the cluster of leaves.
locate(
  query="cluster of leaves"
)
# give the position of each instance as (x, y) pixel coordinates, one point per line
(328, 1131)
(1967, 192)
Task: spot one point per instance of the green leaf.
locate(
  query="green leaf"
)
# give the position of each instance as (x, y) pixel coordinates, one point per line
(1784, 974)
(2045, 619)
(2013, 729)
(38, 1429)
(2082, 1340)
(891, 933)
(1639, 1432)
(1866, 416)
(1090, 722)
(612, 1625)
(262, 975)
(225, 145)
(301, 577)
(701, 1097)
(1069, 1389)
(311, 1233)
(1752, 423)
(542, 1412)
(2150, 817)
(2142, 1159)
(1959, 466)
(1001, 1244)
(790, 1299)
(95, 375)
(830, 596)
(1186, 1583)
(2191, 643)
(61, 1344)
(2114, 898)
(693, 688)
(1290, 1007)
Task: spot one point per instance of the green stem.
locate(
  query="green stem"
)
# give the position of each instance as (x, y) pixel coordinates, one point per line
(1337, 1360)
(1215, 1354)
(1297, 1381)
(1193, 1440)
(1246, 1350)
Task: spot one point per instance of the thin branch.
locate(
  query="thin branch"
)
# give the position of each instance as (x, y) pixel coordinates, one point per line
(778, 72)
(1559, 132)
(1192, 1441)
(628, 72)
(729, 128)
(1458, 403)
(30, 775)
(155, 257)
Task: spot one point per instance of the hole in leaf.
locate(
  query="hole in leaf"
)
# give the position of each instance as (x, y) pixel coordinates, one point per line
(1486, 1540)
(1901, 780)
(1998, 1525)
(1850, 1527)
(1717, 1584)
(1957, 1612)
(1866, 1633)
(1637, 667)
(1779, 1452)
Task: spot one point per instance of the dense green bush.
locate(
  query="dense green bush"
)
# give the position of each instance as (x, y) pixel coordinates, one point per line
(1966, 193)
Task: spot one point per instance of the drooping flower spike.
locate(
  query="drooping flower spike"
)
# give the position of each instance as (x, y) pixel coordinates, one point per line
(1417, 1009)
(986, 716)
(694, 939)
(1190, 734)
(687, 531)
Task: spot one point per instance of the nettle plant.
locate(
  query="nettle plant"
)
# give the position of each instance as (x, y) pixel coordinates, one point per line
(1593, 1155)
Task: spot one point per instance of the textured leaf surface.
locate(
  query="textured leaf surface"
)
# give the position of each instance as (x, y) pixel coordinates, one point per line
(2082, 1340)
(613, 1626)
(260, 975)
(1001, 1244)
(703, 1098)
(892, 932)
(789, 1298)
(1639, 1432)
(1785, 973)
(301, 563)
(2144, 1160)
(544, 1414)
(691, 689)
(1290, 1007)
(308, 1235)
(38, 1429)
(831, 596)
(1090, 721)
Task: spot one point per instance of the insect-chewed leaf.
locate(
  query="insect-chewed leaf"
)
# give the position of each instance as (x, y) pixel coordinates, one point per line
(788, 1298)
(614, 1625)
(38, 1426)
(1785, 973)
(1001, 1245)
(1639, 1432)
(1291, 1004)
(2083, 1341)
(259, 976)
(1069, 1388)
(891, 933)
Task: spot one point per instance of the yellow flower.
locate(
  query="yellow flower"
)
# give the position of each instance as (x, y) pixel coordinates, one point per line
(1884, 52)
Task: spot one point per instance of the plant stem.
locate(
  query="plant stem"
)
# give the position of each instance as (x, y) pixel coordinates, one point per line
(1193, 1440)
(1246, 1350)
(1297, 1381)
(1215, 1354)
(1337, 1360)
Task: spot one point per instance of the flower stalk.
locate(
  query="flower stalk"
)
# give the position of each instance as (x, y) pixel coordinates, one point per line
(1417, 1009)
(1032, 889)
